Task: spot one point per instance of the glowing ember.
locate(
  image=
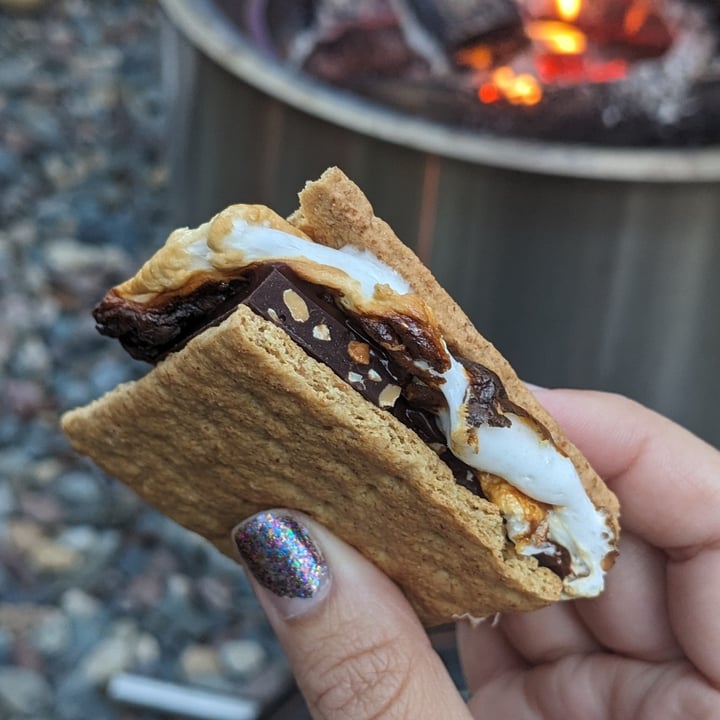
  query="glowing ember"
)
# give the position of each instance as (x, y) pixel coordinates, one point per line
(568, 10)
(570, 42)
(557, 37)
(523, 89)
(636, 16)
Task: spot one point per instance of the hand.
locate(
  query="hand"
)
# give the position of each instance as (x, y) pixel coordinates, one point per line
(648, 647)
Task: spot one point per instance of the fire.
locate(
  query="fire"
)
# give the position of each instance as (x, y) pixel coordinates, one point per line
(570, 42)
(568, 10)
(522, 89)
(557, 37)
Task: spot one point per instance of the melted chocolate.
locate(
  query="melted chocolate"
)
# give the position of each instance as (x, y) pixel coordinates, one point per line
(354, 349)
(376, 356)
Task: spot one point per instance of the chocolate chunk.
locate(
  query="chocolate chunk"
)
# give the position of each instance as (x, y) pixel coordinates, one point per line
(301, 310)
(559, 562)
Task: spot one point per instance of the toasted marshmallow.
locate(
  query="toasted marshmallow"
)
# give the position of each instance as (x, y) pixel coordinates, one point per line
(518, 453)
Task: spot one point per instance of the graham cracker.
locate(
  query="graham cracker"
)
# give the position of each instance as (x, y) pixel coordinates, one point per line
(241, 419)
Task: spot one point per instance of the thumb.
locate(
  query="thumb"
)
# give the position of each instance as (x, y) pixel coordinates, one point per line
(355, 646)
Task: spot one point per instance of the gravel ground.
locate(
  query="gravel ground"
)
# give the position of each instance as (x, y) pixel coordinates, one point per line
(92, 582)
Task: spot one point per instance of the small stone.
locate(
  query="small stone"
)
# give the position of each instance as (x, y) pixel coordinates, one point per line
(147, 651)
(46, 470)
(242, 658)
(24, 692)
(78, 487)
(25, 397)
(32, 358)
(216, 593)
(79, 604)
(79, 537)
(198, 661)
(42, 507)
(23, 534)
(179, 586)
(112, 655)
(52, 635)
(48, 556)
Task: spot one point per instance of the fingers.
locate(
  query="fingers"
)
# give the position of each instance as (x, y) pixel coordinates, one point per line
(668, 482)
(485, 653)
(549, 634)
(666, 478)
(631, 616)
(517, 641)
(694, 599)
(356, 648)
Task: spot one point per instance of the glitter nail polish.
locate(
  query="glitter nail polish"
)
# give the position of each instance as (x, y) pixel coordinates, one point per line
(280, 554)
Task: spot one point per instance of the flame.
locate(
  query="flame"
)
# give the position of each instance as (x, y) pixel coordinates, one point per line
(523, 89)
(571, 42)
(557, 37)
(568, 10)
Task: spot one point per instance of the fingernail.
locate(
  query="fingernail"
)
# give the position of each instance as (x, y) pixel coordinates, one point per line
(278, 550)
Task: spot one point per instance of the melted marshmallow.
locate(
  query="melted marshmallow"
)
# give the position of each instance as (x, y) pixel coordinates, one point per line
(516, 454)
(534, 466)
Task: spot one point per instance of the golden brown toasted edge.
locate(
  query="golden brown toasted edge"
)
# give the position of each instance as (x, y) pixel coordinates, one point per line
(205, 437)
(334, 211)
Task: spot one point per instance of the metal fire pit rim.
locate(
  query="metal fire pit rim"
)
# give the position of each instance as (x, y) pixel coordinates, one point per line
(205, 26)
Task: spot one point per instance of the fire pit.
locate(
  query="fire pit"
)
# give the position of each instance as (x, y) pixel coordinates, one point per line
(611, 72)
(588, 265)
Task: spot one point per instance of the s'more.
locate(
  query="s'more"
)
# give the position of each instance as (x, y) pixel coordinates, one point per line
(314, 363)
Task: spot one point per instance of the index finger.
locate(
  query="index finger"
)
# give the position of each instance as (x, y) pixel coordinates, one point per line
(667, 479)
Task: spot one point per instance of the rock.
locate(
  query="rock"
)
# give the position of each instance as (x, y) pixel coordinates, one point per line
(24, 692)
(112, 655)
(242, 658)
(42, 507)
(45, 471)
(78, 604)
(43, 553)
(199, 661)
(147, 651)
(25, 397)
(82, 496)
(32, 358)
(52, 635)
(50, 557)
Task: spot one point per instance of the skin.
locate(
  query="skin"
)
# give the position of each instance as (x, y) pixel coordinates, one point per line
(648, 647)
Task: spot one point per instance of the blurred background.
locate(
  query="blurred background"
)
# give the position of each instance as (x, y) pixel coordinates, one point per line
(556, 165)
